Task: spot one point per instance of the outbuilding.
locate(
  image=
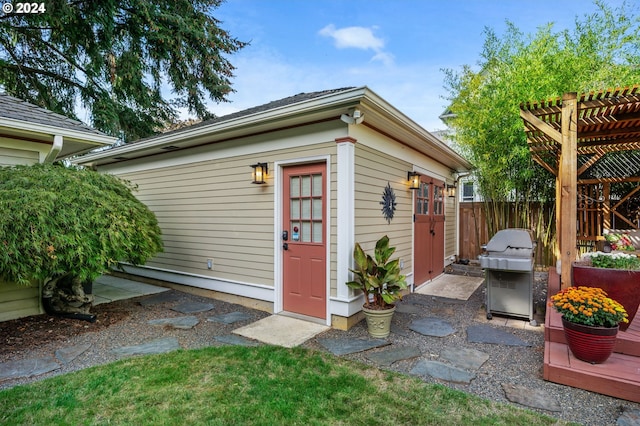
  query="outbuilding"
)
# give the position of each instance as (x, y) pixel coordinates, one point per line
(268, 203)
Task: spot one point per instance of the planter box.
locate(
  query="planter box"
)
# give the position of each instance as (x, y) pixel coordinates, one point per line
(621, 285)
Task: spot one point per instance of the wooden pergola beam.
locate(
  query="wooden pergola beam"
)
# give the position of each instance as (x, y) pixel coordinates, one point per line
(566, 219)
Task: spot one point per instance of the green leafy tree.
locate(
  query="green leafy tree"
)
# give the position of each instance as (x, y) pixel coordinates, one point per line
(118, 60)
(601, 51)
(65, 226)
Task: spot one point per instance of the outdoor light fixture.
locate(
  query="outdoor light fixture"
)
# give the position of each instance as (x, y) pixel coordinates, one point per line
(414, 180)
(259, 173)
(451, 191)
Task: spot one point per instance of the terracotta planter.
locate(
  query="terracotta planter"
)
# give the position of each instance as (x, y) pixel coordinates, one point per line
(621, 285)
(590, 344)
(379, 322)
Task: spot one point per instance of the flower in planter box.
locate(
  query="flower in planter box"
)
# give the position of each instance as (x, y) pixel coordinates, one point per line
(599, 259)
(619, 241)
(589, 306)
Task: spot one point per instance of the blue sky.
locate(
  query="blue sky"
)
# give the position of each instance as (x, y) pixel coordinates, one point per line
(397, 48)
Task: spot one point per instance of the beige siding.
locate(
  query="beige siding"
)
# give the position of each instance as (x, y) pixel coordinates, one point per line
(450, 248)
(210, 210)
(18, 301)
(373, 170)
(14, 157)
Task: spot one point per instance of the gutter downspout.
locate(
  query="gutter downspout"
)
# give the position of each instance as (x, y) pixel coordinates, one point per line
(55, 149)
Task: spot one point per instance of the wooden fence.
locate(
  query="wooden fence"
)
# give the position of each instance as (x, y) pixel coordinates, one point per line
(474, 231)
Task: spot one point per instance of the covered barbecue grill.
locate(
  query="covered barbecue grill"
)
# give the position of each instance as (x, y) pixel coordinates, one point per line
(508, 263)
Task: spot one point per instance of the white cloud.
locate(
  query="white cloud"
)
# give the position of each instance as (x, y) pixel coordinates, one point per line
(358, 38)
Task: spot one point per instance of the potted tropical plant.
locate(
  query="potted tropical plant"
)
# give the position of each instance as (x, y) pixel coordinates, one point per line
(382, 284)
(616, 273)
(590, 319)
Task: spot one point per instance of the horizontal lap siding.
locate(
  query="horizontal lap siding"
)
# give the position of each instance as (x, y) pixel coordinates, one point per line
(18, 301)
(14, 157)
(372, 172)
(211, 210)
(450, 248)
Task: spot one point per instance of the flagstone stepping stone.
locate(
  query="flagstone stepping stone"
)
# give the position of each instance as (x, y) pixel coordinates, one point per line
(442, 371)
(183, 323)
(350, 346)
(68, 354)
(409, 308)
(27, 368)
(192, 307)
(432, 326)
(230, 318)
(467, 358)
(156, 346)
(156, 299)
(629, 417)
(387, 357)
(487, 334)
(535, 398)
(234, 339)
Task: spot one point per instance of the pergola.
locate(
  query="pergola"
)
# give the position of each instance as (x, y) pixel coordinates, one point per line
(588, 142)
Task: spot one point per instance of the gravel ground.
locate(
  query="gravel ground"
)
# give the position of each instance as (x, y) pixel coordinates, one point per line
(520, 366)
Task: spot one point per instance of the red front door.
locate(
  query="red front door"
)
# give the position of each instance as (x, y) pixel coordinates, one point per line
(304, 249)
(428, 230)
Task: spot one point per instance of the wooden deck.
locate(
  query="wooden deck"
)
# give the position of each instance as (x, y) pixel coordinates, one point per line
(619, 376)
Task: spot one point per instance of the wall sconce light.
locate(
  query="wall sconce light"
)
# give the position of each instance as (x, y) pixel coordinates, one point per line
(451, 191)
(259, 174)
(414, 180)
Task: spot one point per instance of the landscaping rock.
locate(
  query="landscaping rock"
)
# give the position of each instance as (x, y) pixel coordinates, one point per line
(27, 368)
(234, 339)
(534, 398)
(432, 326)
(490, 335)
(193, 307)
(442, 371)
(183, 323)
(156, 299)
(393, 354)
(68, 354)
(156, 346)
(349, 346)
(230, 318)
(466, 358)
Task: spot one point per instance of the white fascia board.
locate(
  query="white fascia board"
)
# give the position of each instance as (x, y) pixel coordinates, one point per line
(272, 115)
(386, 109)
(47, 130)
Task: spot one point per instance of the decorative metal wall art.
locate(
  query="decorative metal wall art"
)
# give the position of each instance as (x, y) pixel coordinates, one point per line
(388, 203)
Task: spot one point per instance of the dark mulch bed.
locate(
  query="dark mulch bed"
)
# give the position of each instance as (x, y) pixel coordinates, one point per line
(21, 334)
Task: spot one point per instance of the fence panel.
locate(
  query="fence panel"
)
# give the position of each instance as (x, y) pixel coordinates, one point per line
(474, 231)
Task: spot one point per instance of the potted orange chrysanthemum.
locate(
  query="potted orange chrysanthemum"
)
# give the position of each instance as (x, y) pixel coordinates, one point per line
(590, 319)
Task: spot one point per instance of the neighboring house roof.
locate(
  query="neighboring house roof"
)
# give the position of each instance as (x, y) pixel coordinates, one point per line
(293, 111)
(22, 120)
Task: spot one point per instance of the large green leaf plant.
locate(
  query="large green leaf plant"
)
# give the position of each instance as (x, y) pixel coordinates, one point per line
(378, 277)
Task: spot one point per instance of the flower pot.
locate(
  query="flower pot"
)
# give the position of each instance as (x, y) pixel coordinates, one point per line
(621, 285)
(590, 344)
(379, 321)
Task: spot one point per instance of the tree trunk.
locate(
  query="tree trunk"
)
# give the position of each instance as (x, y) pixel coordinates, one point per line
(66, 296)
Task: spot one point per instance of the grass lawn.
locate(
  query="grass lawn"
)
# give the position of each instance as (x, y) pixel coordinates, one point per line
(235, 385)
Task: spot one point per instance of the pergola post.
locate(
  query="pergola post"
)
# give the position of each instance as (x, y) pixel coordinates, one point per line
(568, 176)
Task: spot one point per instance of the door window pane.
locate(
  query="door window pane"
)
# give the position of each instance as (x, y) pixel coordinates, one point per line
(317, 232)
(306, 186)
(295, 208)
(306, 209)
(317, 208)
(294, 186)
(317, 185)
(306, 232)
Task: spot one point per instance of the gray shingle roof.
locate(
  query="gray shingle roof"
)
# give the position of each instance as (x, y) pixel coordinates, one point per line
(17, 109)
(300, 97)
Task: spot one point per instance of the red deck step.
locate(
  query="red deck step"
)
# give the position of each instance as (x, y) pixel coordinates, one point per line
(619, 376)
